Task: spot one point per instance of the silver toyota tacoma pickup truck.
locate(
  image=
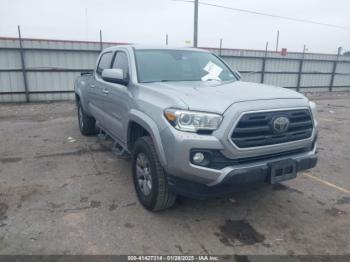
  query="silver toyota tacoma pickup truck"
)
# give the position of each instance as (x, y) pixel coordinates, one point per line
(191, 126)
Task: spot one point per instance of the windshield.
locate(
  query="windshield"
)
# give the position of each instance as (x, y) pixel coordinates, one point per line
(180, 65)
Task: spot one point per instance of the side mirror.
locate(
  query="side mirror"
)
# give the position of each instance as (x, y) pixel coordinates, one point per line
(114, 75)
(237, 74)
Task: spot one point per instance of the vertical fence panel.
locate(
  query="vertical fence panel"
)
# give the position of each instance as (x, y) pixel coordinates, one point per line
(300, 72)
(333, 75)
(262, 78)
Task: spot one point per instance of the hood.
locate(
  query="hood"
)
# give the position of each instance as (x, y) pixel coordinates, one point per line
(212, 96)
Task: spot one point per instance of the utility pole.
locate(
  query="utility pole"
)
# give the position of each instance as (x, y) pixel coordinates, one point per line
(277, 40)
(195, 27)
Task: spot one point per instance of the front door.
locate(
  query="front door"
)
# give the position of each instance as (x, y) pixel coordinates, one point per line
(118, 100)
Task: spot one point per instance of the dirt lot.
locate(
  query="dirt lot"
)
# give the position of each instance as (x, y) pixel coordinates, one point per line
(62, 193)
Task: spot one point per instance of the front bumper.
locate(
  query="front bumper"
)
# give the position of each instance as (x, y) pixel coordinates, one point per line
(178, 146)
(234, 179)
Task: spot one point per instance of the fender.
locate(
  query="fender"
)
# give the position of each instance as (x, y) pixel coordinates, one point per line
(78, 91)
(147, 123)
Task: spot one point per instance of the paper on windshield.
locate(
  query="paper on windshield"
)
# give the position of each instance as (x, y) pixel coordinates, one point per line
(213, 71)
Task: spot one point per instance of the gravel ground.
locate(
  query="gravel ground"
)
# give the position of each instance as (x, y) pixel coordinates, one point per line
(62, 193)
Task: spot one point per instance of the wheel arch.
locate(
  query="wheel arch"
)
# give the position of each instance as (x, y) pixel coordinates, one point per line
(141, 119)
(80, 95)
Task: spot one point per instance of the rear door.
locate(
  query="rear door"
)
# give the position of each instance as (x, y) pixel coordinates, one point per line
(97, 97)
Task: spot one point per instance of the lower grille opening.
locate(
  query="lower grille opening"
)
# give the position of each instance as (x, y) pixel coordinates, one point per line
(219, 161)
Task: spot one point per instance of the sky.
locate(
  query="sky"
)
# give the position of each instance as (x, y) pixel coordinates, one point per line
(148, 22)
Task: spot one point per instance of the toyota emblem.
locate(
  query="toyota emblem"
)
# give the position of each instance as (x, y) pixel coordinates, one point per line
(280, 124)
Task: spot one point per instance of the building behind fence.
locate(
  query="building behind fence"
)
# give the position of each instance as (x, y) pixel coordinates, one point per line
(43, 70)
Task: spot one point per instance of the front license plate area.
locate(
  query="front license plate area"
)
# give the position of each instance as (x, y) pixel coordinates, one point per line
(282, 170)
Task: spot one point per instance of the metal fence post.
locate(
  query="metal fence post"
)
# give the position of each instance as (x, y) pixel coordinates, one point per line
(24, 72)
(101, 44)
(300, 71)
(264, 64)
(333, 72)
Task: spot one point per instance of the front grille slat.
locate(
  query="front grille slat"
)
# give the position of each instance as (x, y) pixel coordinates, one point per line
(248, 130)
(255, 129)
(305, 124)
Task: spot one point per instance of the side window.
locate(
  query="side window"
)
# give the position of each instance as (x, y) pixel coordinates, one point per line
(105, 62)
(121, 62)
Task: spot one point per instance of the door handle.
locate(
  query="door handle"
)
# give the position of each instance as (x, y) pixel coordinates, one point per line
(92, 86)
(106, 91)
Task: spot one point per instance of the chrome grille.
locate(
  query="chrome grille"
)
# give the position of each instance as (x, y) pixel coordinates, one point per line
(255, 129)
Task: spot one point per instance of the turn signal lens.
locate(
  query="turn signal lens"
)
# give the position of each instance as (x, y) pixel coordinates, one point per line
(170, 116)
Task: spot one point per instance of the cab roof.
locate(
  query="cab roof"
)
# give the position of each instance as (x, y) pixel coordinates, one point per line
(155, 47)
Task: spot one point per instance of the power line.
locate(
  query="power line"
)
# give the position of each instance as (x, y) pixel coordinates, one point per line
(269, 15)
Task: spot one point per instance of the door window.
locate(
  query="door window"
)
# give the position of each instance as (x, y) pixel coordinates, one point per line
(105, 62)
(121, 62)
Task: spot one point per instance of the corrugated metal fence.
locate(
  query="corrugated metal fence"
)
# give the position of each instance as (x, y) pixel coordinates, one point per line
(43, 70)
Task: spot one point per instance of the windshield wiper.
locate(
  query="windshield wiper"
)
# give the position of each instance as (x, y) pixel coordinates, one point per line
(212, 79)
(168, 80)
(182, 80)
(156, 81)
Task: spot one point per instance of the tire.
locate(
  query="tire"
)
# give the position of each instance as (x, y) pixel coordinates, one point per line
(86, 123)
(158, 196)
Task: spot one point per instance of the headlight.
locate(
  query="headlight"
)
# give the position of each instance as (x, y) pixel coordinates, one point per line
(314, 111)
(192, 121)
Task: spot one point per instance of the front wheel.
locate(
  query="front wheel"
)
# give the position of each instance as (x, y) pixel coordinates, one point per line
(149, 177)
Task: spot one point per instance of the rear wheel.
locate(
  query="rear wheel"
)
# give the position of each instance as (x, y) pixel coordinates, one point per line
(149, 177)
(86, 123)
